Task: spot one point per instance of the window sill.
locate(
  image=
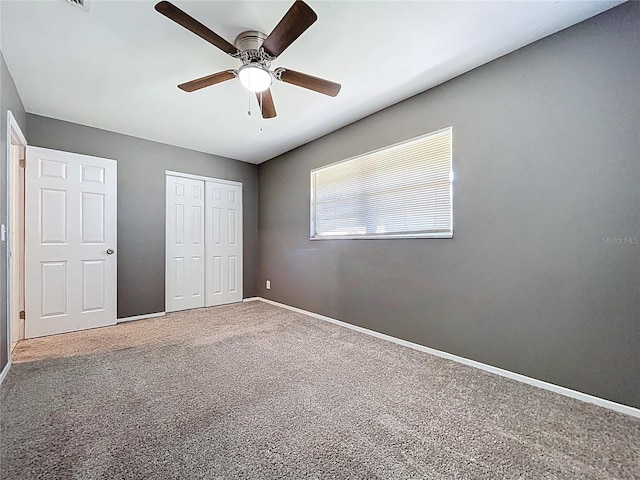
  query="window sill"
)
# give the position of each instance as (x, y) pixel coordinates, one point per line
(384, 237)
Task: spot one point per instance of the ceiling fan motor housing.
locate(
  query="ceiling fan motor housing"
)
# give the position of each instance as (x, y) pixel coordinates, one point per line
(249, 40)
(249, 45)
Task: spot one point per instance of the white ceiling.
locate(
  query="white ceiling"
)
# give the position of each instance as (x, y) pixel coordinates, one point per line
(117, 65)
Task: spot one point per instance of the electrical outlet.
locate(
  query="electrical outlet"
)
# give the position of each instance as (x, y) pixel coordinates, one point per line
(268, 284)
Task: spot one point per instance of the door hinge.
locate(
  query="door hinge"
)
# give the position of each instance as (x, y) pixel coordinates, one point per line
(23, 315)
(23, 163)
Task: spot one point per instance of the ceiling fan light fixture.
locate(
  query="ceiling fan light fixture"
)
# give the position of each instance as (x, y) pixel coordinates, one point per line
(254, 77)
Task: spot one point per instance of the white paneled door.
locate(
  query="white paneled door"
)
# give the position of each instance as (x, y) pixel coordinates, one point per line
(204, 242)
(70, 242)
(184, 278)
(223, 243)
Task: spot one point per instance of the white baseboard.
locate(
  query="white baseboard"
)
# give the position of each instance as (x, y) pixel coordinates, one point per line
(618, 407)
(5, 370)
(140, 317)
(251, 299)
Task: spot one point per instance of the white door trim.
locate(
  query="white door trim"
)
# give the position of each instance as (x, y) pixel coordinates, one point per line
(14, 137)
(200, 177)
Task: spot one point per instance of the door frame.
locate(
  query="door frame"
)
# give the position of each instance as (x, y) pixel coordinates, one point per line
(201, 177)
(15, 237)
(205, 179)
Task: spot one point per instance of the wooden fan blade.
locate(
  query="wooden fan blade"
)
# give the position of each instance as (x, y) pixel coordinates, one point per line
(202, 82)
(181, 18)
(299, 17)
(265, 100)
(308, 81)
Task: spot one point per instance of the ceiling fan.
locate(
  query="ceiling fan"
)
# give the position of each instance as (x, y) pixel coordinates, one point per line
(256, 51)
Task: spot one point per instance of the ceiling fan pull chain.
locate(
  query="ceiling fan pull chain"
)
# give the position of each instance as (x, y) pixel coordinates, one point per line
(249, 111)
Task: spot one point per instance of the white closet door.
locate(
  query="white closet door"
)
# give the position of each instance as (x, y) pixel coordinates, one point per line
(224, 243)
(185, 244)
(70, 242)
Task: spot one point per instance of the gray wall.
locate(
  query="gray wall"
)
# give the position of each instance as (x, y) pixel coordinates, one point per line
(546, 158)
(141, 203)
(9, 100)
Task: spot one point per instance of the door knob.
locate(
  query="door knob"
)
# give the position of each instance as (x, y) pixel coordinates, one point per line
(110, 251)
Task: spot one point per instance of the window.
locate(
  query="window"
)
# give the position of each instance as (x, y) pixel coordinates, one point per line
(401, 191)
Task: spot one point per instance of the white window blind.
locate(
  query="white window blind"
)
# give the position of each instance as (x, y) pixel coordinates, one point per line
(404, 190)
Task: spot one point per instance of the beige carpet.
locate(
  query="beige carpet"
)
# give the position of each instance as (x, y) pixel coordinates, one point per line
(257, 392)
